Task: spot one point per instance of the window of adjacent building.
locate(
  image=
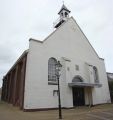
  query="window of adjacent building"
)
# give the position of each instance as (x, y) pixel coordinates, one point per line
(95, 73)
(51, 70)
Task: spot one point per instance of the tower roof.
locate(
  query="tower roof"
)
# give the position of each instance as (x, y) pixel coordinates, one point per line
(63, 8)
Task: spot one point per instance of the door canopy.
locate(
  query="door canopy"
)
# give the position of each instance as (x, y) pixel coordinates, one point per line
(78, 81)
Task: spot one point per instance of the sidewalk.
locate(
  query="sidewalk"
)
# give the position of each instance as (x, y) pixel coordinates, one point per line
(101, 112)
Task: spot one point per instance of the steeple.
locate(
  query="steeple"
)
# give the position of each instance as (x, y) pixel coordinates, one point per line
(64, 8)
(64, 15)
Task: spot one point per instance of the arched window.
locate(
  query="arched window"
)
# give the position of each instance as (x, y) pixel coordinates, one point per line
(77, 79)
(51, 70)
(95, 73)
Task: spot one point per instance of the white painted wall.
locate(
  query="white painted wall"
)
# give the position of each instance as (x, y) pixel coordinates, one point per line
(68, 42)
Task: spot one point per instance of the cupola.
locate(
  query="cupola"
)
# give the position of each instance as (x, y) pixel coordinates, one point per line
(64, 15)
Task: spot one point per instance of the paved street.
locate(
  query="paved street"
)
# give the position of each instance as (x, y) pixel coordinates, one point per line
(101, 112)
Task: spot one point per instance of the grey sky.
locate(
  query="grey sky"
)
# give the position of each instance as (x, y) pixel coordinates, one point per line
(24, 19)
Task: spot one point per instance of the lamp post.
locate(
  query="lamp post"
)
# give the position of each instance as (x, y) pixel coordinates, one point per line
(58, 69)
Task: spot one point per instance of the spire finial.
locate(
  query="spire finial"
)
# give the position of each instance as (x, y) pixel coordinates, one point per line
(63, 2)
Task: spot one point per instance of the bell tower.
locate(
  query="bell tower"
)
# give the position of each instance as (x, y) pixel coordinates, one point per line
(64, 15)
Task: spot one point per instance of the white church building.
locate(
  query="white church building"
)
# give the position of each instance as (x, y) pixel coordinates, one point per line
(32, 84)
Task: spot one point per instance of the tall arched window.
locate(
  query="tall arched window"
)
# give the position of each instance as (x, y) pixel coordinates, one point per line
(95, 73)
(51, 70)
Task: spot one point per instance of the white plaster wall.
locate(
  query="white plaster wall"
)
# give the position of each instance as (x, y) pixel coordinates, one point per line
(88, 96)
(101, 95)
(69, 42)
(37, 90)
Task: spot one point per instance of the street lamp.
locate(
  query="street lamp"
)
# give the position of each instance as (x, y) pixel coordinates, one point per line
(58, 69)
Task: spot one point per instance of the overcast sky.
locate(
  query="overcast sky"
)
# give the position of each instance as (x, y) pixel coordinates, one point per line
(24, 19)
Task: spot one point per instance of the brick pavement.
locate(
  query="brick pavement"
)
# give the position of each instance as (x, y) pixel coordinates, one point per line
(101, 112)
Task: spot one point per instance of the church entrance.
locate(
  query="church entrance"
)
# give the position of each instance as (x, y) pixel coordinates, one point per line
(78, 96)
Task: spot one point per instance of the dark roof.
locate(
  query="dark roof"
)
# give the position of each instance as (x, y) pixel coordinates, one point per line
(63, 8)
(23, 54)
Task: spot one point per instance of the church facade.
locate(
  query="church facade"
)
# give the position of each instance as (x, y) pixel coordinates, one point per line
(32, 83)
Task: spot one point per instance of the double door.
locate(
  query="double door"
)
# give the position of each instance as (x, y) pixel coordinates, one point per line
(78, 96)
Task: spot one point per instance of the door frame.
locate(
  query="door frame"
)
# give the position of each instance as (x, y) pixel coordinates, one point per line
(78, 100)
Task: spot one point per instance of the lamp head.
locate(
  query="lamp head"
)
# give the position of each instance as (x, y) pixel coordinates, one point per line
(59, 65)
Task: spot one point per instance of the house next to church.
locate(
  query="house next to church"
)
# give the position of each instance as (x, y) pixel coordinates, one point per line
(31, 83)
(110, 83)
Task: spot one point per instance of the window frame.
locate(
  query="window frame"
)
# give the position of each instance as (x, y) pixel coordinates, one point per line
(95, 74)
(52, 78)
